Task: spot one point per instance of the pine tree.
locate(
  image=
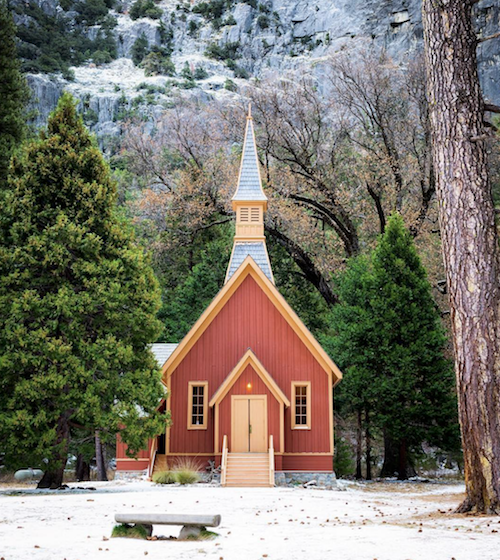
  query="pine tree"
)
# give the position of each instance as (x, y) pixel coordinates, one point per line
(391, 344)
(78, 300)
(13, 92)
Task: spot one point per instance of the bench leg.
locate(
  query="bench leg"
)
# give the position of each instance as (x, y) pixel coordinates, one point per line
(191, 532)
(148, 528)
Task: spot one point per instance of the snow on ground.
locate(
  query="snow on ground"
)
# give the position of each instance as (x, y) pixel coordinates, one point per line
(381, 521)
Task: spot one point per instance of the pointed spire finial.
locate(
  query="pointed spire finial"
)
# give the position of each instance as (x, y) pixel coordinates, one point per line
(249, 116)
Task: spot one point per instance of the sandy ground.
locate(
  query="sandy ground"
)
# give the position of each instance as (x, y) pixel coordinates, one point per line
(390, 521)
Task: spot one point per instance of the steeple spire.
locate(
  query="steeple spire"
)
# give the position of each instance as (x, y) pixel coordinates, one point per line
(249, 202)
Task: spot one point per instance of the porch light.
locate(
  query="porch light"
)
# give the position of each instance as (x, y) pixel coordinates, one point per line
(249, 386)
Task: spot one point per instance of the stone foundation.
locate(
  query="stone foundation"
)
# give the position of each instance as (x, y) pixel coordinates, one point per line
(318, 479)
(127, 475)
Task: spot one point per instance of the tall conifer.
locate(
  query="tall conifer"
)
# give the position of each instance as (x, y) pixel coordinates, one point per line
(13, 92)
(391, 344)
(77, 305)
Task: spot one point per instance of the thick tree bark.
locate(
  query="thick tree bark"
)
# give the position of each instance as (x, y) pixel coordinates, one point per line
(100, 457)
(391, 457)
(53, 476)
(359, 446)
(368, 440)
(470, 244)
(82, 469)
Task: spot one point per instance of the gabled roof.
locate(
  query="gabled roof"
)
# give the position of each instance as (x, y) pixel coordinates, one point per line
(256, 250)
(249, 183)
(250, 268)
(162, 351)
(249, 358)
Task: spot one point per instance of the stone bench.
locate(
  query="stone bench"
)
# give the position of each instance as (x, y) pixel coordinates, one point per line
(192, 525)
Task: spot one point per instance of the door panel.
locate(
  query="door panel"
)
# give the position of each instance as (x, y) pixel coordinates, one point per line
(240, 426)
(249, 424)
(258, 439)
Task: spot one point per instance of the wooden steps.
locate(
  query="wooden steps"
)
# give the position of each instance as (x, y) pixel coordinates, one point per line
(247, 469)
(160, 463)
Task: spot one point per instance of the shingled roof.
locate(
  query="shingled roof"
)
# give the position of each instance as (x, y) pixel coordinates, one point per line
(249, 183)
(255, 250)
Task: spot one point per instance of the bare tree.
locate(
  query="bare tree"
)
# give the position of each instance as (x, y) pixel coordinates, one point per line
(469, 236)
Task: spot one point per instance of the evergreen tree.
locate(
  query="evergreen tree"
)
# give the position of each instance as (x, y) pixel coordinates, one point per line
(391, 344)
(78, 301)
(13, 92)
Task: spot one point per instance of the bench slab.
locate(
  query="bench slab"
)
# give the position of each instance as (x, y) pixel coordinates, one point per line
(168, 519)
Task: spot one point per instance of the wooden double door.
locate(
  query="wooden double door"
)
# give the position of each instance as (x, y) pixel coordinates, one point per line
(248, 423)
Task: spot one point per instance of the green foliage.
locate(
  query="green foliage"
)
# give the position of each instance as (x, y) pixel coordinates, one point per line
(186, 476)
(230, 85)
(129, 531)
(304, 299)
(194, 284)
(200, 73)
(92, 12)
(53, 42)
(164, 477)
(186, 72)
(227, 51)
(158, 63)
(390, 344)
(145, 8)
(14, 93)
(78, 301)
(263, 21)
(211, 10)
(140, 49)
(343, 461)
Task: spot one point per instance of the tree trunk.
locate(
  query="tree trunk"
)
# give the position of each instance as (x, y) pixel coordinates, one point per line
(100, 457)
(469, 237)
(359, 446)
(391, 457)
(368, 439)
(53, 476)
(403, 461)
(82, 470)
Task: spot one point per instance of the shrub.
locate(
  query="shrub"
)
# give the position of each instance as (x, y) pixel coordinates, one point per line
(158, 63)
(186, 471)
(200, 73)
(186, 476)
(139, 49)
(145, 8)
(164, 477)
(228, 51)
(230, 85)
(263, 21)
(130, 531)
(101, 57)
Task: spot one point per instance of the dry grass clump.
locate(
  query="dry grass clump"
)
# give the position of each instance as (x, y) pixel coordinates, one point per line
(184, 471)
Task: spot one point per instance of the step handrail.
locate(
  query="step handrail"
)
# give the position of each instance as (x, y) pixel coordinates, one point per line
(271, 460)
(223, 464)
(152, 456)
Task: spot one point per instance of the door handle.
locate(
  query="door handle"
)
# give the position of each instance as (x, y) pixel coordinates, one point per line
(250, 428)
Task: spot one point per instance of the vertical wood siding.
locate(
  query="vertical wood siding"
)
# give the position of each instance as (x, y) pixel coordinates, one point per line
(250, 320)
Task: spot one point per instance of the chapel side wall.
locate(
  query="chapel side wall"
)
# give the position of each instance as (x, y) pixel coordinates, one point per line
(125, 463)
(258, 388)
(250, 320)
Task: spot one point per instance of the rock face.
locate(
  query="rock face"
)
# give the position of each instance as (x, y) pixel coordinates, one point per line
(265, 35)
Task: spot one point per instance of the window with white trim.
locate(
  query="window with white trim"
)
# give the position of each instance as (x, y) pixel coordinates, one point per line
(197, 405)
(301, 399)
